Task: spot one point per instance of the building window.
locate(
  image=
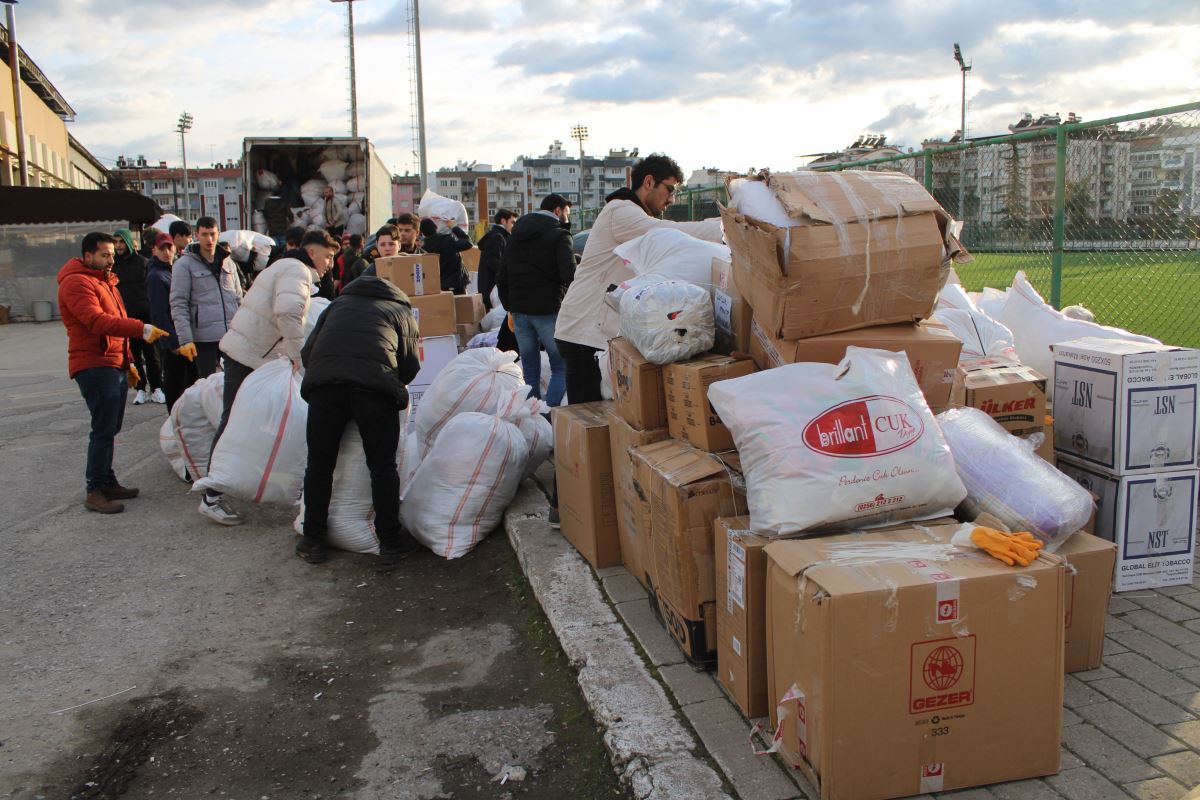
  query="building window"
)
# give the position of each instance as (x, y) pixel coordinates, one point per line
(209, 183)
(556, 170)
(160, 185)
(443, 183)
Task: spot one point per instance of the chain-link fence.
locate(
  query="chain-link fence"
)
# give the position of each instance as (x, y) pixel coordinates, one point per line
(1104, 214)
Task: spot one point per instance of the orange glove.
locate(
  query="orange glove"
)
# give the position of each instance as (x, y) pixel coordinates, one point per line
(151, 333)
(1011, 548)
(188, 351)
(133, 376)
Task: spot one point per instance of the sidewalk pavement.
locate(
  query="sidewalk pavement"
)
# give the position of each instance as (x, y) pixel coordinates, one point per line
(1130, 728)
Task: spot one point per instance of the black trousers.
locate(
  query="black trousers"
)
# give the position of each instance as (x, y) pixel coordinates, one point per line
(208, 358)
(329, 409)
(583, 373)
(145, 358)
(235, 373)
(178, 374)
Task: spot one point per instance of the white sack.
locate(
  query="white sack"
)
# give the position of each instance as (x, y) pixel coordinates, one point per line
(211, 395)
(247, 245)
(486, 339)
(526, 414)
(980, 334)
(164, 223)
(334, 154)
(314, 186)
(316, 307)
(170, 448)
(666, 254)
(267, 180)
(194, 419)
(837, 446)
(1037, 327)
(493, 319)
(475, 380)
(606, 376)
(355, 169)
(669, 321)
(339, 187)
(356, 183)
(755, 199)
(263, 452)
(332, 170)
(358, 197)
(356, 223)
(355, 207)
(445, 212)
(259, 222)
(992, 301)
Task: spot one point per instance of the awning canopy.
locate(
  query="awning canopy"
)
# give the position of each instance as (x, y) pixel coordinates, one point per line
(27, 205)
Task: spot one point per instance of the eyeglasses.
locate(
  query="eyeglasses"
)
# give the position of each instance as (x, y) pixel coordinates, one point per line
(671, 188)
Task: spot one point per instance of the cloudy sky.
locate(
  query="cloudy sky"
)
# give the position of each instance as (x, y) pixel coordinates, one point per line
(731, 84)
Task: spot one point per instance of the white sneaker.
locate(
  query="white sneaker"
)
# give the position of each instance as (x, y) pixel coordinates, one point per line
(139, 398)
(219, 511)
(157, 396)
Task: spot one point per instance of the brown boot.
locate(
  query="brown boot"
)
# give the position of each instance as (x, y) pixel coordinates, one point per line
(118, 492)
(96, 501)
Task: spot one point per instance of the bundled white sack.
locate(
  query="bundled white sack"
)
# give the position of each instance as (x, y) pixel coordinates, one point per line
(835, 446)
(606, 377)
(170, 448)
(356, 223)
(475, 380)
(666, 254)
(267, 180)
(445, 212)
(755, 199)
(355, 183)
(332, 170)
(486, 339)
(1037, 326)
(355, 169)
(334, 154)
(316, 221)
(493, 319)
(316, 307)
(339, 187)
(355, 207)
(194, 419)
(526, 413)
(459, 493)
(1005, 477)
(258, 222)
(163, 224)
(212, 397)
(668, 321)
(342, 199)
(263, 452)
(248, 246)
(980, 334)
(408, 457)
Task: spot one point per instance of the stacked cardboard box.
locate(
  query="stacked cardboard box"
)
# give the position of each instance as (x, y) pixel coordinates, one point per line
(415, 275)
(632, 500)
(583, 471)
(434, 313)
(1011, 393)
(468, 312)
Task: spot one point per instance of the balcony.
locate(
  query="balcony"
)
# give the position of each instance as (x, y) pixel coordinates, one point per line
(1172, 184)
(1173, 162)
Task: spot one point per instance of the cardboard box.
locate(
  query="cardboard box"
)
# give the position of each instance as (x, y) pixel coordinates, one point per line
(690, 417)
(689, 490)
(632, 501)
(1126, 407)
(583, 470)
(1012, 394)
(1088, 586)
(468, 308)
(905, 676)
(415, 275)
(638, 393)
(470, 258)
(434, 353)
(731, 312)
(434, 314)
(741, 589)
(932, 351)
(1150, 517)
(465, 333)
(865, 248)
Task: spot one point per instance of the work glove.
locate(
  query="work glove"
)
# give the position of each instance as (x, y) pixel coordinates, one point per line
(1012, 548)
(188, 351)
(151, 333)
(133, 376)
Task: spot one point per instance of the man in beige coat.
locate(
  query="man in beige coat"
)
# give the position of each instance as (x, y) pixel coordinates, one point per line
(269, 323)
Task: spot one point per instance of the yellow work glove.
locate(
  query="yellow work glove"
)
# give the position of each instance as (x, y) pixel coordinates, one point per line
(134, 376)
(1011, 548)
(188, 351)
(152, 334)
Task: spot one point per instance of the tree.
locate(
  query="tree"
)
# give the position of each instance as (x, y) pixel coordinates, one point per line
(1167, 212)
(1079, 203)
(1014, 191)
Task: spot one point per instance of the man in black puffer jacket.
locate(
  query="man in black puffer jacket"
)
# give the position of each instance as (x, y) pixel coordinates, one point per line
(358, 360)
(131, 270)
(537, 267)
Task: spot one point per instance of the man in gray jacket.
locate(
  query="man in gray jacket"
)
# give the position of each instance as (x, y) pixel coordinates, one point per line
(205, 294)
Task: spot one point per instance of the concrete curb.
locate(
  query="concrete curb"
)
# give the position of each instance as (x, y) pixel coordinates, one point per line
(651, 748)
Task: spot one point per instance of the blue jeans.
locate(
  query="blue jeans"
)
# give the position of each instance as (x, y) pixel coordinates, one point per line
(104, 389)
(531, 330)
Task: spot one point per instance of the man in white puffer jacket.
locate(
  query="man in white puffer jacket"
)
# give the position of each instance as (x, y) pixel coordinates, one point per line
(269, 323)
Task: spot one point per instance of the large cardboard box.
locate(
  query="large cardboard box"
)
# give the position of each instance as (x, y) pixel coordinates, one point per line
(583, 470)
(865, 248)
(900, 676)
(632, 500)
(689, 489)
(1126, 407)
(415, 275)
(932, 351)
(468, 308)
(690, 417)
(1088, 586)
(1150, 517)
(1012, 394)
(638, 392)
(731, 312)
(470, 258)
(434, 354)
(741, 589)
(466, 332)
(434, 314)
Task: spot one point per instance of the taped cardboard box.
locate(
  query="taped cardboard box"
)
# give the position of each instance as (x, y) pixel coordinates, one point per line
(468, 309)
(741, 593)
(638, 392)
(1150, 517)
(434, 353)
(689, 490)
(731, 312)
(584, 475)
(434, 314)
(415, 275)
(632, 500)
(1012, 394)
(947, 673)
(1126, 407)
(932, 352)
(690, 417)
(1089, 584)
(470, 258)
(866, 248)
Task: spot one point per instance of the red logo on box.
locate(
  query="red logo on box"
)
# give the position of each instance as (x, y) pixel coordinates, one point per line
(942, 674)
(947, 610)
(931, 770)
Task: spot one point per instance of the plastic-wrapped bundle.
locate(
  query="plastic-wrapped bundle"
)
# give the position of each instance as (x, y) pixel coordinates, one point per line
(755, 199)
(248, 245)
(980, 334)
(526, 414)
(668, 321)
(316, 307)
(267, 180)
(194, 419)
(493, 319)
(475, 380)
(170, 448)
(356, 223)
(670, 255)
(442, 210)
(332, 170)
(1006, 478)
(605, 364)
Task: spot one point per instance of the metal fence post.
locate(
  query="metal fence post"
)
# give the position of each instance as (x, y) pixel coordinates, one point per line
(1060, 215)
(692, 206)
(929, 171)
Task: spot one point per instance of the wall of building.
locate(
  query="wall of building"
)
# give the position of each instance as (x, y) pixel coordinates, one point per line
(45, 135)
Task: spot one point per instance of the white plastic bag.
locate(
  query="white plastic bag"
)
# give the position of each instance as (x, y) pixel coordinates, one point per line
(493, 319)
(355, 183)
(755, 199)
(1006, 478)
(991, 302)
(673, 254)
(194, 419)
(170, 448)
(538, 433)
(263, 452)
(163, 224)
(316, 307)
(1037, 326)
(332, 170)
(475, 380)
(247, 245)
(980, 334)
(837, 446)
(356, 223)
(442, 210)
(486, 339)
(668, 321)
(267, 180)
(605, 365)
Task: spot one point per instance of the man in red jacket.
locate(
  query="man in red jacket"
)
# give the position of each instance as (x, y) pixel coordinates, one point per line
(99, 359)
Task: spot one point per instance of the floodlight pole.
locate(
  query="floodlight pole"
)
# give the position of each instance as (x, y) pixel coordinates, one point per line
(962, 154)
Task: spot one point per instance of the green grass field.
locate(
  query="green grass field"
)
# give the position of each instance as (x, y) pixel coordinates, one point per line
(1156, 293)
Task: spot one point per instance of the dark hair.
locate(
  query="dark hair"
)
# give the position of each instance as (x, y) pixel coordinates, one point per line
(553, 202)
(294, 235)
(406, 219)
(391, 221)
(428, 227)
(206, 222)
(92, 242)
(502, 215)
(320, 237)
(388, 230)
(658, 166)
(356, 241)
(179, 228)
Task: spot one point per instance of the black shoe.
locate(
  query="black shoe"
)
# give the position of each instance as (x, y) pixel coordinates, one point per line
(311, 551)
(404, 547)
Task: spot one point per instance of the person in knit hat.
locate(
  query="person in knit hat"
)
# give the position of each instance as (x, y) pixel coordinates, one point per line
(131, 270)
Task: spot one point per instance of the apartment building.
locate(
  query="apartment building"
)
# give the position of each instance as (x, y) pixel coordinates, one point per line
(214, 191)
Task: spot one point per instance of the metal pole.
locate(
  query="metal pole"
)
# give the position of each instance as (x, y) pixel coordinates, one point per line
(962, 156)
(929, 171)
(14, 64)
(1060, 197)
(187, 198)
(420, 92)
(353, 88)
